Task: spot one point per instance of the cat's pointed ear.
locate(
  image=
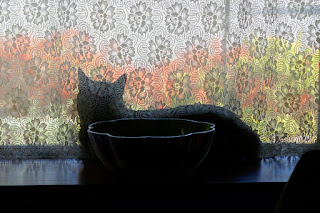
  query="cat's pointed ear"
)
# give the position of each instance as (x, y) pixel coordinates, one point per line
(120, 84)
(82, 77)
(121, 81)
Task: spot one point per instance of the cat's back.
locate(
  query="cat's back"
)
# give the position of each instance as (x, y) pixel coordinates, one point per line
(200, 112)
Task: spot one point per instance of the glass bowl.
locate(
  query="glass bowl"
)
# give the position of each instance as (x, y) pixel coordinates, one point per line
(168, 144)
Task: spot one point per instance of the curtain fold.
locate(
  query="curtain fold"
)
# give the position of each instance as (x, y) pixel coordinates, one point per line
(259, 59)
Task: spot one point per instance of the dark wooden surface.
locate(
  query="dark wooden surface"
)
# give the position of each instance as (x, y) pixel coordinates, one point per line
(74, 185)
(83, 172)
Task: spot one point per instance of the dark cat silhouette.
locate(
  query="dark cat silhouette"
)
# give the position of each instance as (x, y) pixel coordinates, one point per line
(235, 144)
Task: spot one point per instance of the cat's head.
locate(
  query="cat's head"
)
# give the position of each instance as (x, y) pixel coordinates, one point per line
(100, 100)
(102, 89)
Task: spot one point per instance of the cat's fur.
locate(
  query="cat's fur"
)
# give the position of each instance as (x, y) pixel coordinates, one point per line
(234, 142)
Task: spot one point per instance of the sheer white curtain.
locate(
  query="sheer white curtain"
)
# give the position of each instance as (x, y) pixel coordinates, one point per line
(259, 59)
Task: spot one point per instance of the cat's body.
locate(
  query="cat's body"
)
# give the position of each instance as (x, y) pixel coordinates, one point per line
(234, 142)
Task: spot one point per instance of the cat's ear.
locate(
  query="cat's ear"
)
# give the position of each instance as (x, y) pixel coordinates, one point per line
(82, 77)
(121, 82)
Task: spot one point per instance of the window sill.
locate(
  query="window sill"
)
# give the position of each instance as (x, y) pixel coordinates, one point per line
(87, 182)
(28, 172)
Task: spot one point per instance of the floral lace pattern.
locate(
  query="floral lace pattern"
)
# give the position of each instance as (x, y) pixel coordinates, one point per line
(259, 59)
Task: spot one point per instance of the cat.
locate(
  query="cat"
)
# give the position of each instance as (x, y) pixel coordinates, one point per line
(235, 143)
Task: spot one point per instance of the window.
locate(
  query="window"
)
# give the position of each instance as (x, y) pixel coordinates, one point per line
(260, 59)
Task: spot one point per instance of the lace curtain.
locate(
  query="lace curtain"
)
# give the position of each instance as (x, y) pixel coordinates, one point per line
(260, 59)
